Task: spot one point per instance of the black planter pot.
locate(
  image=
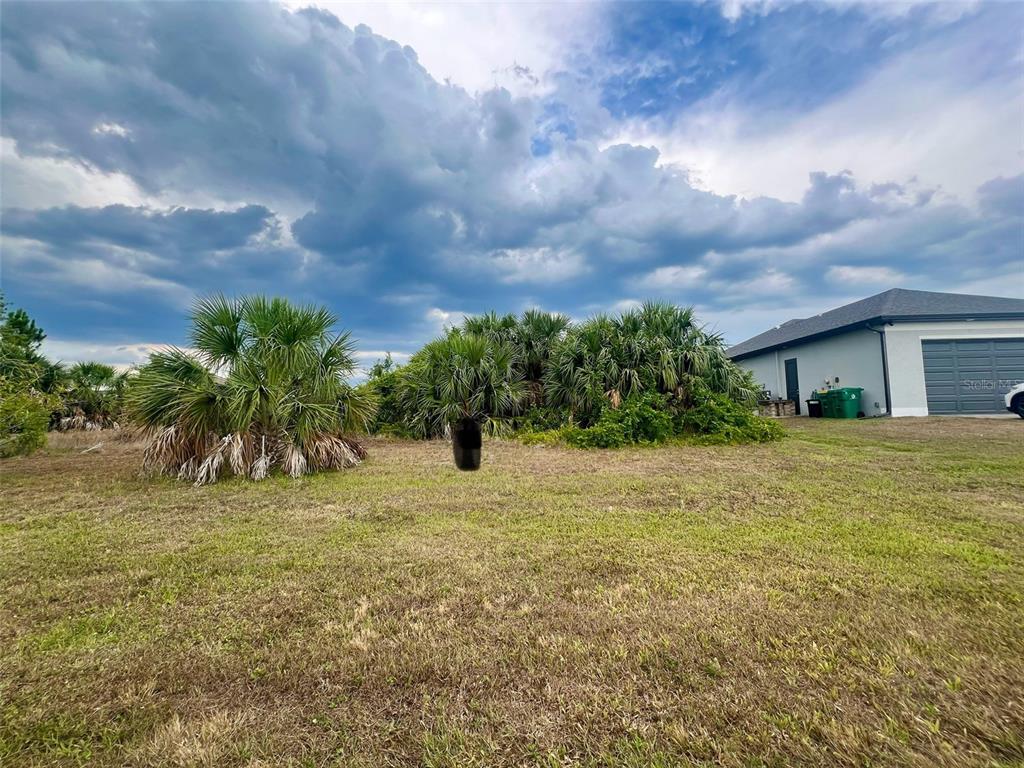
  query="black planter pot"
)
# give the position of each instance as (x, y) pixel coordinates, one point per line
(466, 443)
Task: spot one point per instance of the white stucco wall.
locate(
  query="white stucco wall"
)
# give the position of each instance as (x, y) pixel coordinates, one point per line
(855, 357)
(906, 363)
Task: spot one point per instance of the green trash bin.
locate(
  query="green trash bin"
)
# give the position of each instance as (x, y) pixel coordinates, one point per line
(828, 403)
(846, 402)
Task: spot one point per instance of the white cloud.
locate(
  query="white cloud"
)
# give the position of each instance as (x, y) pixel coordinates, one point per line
(120, 355)
(388, 176)
(535, 265)
(89, 276)
(111, 129)
(671, 278)
(44, 182)
(864, 275)
(923, 115)
(624, 305)
(440, 320)
(476, 45)
(769, 283)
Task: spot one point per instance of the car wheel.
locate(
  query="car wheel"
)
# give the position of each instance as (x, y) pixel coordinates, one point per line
(1017, 404)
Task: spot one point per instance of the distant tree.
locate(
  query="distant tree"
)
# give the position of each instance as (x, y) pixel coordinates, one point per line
(382, 383)
(25, 408)
(536, 336)
(93, 396)
(491, 325)
(20, 339)
(24, 418)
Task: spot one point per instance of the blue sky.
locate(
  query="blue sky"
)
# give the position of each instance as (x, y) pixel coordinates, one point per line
(408, 163)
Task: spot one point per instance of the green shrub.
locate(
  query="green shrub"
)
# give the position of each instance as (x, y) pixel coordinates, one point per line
(649, 419)
(639, 419)
(542, 418)
(644, 418)
(24, 419)
(604, 434)
(715, 419)
(542, 436)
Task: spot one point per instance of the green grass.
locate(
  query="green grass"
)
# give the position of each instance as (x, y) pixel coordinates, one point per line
(853, 595)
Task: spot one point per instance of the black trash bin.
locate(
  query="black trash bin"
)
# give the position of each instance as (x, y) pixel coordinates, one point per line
(814, 408)
(466, 444)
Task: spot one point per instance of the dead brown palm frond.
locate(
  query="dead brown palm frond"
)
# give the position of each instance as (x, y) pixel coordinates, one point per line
(74, 422)
(241, 452)
(293, 463)
(355, 446)
(189, 469)
(614, 398)
(261, 465)
(327, 451)
(209, 469)
(171, 451)
(79, 420)
(164, 451)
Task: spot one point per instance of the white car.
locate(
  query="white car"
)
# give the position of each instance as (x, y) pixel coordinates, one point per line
(1015, 400)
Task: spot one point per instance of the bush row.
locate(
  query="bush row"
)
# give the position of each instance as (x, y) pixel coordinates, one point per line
(650, 419)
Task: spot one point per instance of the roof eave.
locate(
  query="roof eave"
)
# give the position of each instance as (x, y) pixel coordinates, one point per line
(874, 320)
(804, 339)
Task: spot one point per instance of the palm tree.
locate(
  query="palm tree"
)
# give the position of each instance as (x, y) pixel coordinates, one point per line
(266, 387)
(531, 336)
(461, 376)
(585, 369)
(93, 395)
(657, 347)
(536, 335)
(493, 326)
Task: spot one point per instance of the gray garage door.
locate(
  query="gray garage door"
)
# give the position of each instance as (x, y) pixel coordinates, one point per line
(971, 375)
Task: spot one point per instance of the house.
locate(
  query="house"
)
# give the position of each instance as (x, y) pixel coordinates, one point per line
(915, 353)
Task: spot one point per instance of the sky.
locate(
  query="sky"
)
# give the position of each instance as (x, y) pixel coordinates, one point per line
(409, 163)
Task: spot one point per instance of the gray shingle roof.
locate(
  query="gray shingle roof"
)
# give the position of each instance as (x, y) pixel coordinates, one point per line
(894, 304)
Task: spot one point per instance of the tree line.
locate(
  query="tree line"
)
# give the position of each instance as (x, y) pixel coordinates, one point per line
(265, 385)
(549, 379)
(38, 394)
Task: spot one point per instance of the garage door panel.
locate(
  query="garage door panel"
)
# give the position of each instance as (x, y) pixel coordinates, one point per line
(969, 368)
(982, 346)
(970, 375)
(1009, 345)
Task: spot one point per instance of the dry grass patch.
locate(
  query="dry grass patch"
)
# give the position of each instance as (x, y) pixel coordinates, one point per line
(850, 596)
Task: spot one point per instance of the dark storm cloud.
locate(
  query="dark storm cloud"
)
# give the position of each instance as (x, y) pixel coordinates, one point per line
(179, 230)
(349, 175)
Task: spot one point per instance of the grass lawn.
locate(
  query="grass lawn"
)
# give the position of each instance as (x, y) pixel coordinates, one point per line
(853, 595)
